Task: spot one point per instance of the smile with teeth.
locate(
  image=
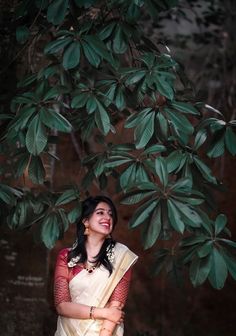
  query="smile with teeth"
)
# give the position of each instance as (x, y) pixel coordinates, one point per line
(105, 224)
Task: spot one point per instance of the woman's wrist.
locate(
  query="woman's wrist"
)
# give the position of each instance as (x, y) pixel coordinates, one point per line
(99, 313)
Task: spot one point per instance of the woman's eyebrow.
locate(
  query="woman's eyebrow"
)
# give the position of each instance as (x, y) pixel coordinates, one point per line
(103, 209)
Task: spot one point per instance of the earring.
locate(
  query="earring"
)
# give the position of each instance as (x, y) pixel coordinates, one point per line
(86, 231)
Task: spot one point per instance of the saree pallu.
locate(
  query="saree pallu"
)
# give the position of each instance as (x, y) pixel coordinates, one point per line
(95, 289)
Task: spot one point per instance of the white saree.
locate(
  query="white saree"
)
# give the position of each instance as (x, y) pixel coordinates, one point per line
(95, 289)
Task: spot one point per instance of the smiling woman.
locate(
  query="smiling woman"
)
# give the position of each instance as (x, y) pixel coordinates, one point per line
(92, 278)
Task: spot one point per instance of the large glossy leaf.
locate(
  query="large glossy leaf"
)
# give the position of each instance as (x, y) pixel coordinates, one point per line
(152, 229)
(220, 223)
(54, 120)
(175, 217)
(91, 55)
(230, 140)
(55, 46)
(161, 170)
(36, 170)
(50, 230)
(179, 121)
(71, 57)
(218, 272)
(57, 11)
(102, 119)
(144, 131)
(217, 148)
(36, 136)
(74, 214)
(230, 262)
(184, 107)
(142, 213)
(199, 270)
(204, 170)
(67, 197)
(164, 88)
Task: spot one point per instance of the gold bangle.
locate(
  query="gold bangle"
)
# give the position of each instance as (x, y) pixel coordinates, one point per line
(91, 312)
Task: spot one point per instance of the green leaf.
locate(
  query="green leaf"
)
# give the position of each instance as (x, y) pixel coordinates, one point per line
(91, 55)
(142, 213)
(182, 185)
(199, 270)
(54, 120)
(50, 230)
(119, 41)
(220, 223)
(180, 122)
(154, 149)
(71, 57)
(218, 272)
(120, 99)
(135, 77)
(137, 118)
(192, 240)
(99, 47)
(36, 170)
(22, 163)
(36, 136)
(144, 131)
(161, 170)
(164, 88)
(205, 249)
(153, 228)
(217, 148)
(230, 262)
(55, 46)
(204, 170)
(230, 140)
(128, 176)
(22, 34)
(106, 31)
(136, 197)
(173, 160)
(184, 107)
(187, 211)
(200, 138)
(67, 197)
(175, 217)
(102, 119)
(74, 214)
(57, 11)
(80, 100)
(91, 104)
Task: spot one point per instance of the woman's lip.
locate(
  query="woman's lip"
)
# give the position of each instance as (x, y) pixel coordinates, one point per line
(105, 224)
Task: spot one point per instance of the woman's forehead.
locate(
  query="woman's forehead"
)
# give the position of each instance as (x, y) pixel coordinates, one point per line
(103, 205)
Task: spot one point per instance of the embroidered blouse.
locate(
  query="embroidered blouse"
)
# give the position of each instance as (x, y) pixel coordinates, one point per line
(64, 274)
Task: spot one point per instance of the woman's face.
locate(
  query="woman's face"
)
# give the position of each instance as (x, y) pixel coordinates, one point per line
(101, 221)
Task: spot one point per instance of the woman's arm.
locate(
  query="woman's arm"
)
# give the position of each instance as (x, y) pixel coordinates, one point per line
(63, 303)
(118, 300)
(80, 311)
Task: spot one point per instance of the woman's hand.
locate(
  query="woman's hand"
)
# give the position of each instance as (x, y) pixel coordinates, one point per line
(114, 314)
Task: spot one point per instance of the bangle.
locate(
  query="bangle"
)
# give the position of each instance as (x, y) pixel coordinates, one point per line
(91, 312)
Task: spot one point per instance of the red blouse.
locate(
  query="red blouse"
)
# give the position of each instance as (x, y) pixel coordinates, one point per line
(64, 274)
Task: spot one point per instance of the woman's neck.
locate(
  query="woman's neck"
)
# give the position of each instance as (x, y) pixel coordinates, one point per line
(93, 246)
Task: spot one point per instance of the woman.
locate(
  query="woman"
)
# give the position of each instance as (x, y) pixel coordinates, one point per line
(92, 278)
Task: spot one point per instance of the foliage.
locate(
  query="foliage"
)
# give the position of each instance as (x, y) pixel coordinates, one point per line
(101, 71)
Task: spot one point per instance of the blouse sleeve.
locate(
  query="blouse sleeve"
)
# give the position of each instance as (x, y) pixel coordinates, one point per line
(61, 279)
(121, 290)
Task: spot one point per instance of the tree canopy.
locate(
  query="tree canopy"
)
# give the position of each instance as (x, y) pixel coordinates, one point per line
(98, 70)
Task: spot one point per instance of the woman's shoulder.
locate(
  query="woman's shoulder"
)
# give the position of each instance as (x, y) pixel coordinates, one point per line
(63, 253)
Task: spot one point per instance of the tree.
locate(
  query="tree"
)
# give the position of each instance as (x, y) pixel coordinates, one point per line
(100, 70)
